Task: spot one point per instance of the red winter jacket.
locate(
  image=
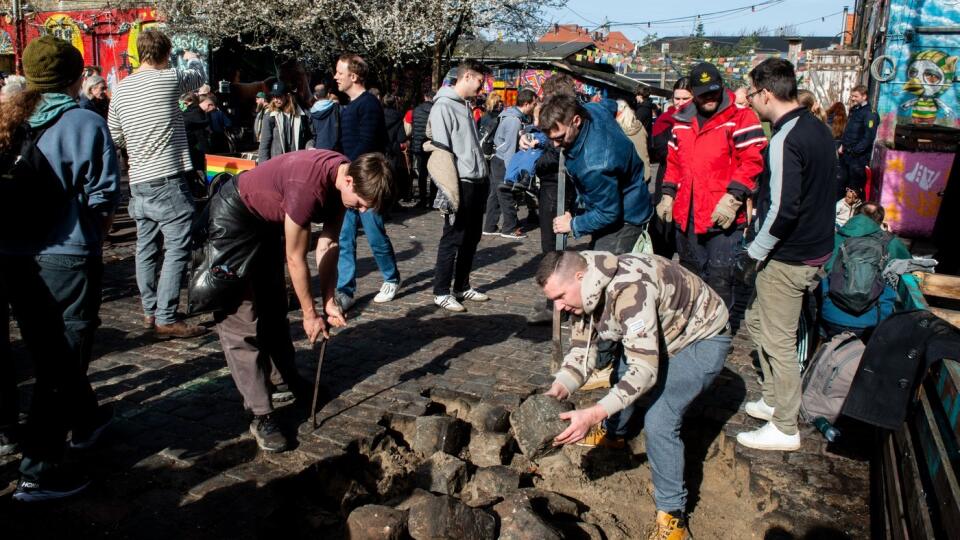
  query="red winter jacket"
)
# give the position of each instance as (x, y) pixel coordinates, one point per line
(723, 156)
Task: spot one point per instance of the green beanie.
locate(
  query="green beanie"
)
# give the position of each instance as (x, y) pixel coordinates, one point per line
(51, 64)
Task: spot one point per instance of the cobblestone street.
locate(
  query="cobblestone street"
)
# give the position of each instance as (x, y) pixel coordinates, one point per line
(179, 461)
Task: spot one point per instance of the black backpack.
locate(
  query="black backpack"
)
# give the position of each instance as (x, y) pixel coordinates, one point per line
(856, 280)
(486, 138)
(33, 200)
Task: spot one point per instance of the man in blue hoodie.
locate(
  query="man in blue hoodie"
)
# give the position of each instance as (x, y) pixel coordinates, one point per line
(53, 279)
(606, 171)
(505, 141)
(325, 117)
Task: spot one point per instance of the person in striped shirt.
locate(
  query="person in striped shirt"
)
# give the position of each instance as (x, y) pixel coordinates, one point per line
(145, 119)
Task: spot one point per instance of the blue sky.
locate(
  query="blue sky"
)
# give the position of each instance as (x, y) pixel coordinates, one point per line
(590, 13)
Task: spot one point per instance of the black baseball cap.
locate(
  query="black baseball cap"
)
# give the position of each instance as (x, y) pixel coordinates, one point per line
(705, 78)
(278, 89)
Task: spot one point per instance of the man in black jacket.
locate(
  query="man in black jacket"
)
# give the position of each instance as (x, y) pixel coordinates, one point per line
(793, 238)
(420, 116)
(856, 144)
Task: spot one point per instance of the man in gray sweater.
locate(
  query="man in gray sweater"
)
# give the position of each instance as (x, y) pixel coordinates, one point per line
(452, 128)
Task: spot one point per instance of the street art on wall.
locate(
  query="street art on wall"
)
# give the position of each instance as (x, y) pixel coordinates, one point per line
(107, 38)
(921, 86)
(63, 26)
(912, 184)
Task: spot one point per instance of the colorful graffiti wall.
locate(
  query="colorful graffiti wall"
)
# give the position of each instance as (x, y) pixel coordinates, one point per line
(107, 38)
(911, 186)
(921, 65)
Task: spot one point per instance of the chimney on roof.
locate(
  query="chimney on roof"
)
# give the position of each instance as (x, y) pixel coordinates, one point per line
(794, 46)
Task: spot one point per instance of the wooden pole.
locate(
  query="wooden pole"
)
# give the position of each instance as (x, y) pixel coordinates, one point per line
(561, 243)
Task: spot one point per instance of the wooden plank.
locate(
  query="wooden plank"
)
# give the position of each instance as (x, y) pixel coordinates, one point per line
(917, 513)
(894, 511)
(947, 378)
(939, 285)
(949, 315)
(937, 466)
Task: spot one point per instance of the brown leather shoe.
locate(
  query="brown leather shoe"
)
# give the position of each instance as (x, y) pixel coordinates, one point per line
(149, 322)
(178, 329)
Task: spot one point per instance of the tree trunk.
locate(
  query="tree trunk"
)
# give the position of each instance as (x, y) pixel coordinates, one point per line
(436, 70)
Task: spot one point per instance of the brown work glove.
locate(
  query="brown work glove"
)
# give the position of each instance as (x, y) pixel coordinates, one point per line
(665, 209)
(726, 211)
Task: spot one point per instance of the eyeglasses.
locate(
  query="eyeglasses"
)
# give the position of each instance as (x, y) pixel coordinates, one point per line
(751, 94)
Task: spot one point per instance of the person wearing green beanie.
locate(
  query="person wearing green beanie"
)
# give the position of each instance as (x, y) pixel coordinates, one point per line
(52, 277)
(51, 64)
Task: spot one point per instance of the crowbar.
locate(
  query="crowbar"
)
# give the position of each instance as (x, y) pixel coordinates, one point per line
(316, 384)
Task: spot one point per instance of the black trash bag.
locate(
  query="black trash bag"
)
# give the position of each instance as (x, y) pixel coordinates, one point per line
(233, 236)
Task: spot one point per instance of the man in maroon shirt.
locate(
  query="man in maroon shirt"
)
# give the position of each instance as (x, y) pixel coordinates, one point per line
(270, 209)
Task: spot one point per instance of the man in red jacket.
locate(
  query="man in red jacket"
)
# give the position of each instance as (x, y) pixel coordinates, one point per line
(713, 159)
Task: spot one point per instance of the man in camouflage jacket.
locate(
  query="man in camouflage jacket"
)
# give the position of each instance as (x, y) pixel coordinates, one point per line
(668, 320)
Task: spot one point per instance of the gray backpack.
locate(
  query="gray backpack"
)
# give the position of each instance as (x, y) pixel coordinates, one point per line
(827, 381)
(856, 280)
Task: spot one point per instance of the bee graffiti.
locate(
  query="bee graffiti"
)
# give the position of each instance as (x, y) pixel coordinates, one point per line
(930, 74)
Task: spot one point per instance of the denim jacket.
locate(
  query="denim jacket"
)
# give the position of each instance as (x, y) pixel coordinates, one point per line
(608, 175)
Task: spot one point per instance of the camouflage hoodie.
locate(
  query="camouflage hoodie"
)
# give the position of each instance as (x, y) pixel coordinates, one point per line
(641, 301)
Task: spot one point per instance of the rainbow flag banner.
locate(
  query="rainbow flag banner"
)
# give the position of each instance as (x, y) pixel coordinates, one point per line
(233, 165)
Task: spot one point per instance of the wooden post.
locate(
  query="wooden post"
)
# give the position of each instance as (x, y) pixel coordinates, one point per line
(560, 245)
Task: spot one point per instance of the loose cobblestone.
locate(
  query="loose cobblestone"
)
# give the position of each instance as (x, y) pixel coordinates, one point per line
(180, 461)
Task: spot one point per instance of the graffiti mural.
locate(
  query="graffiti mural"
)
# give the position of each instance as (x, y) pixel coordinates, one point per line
(920, 64)
(912, 186)
(107, 38)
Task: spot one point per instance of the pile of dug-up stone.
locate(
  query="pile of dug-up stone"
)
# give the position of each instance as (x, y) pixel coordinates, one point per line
(464, 491)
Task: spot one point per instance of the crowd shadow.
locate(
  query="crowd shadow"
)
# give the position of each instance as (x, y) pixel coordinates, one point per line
(382, 341)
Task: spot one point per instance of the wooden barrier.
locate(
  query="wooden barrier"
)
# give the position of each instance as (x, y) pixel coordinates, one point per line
(918, 469)
(921, 287)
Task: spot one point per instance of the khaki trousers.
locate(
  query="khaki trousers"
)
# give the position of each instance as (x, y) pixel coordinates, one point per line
(772, 320)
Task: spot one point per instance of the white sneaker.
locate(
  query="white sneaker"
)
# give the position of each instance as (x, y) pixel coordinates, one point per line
(759, 409)
(449, 303)
(471, 294)
(769, 437)
(346, 302)
(485, 233)
(387, 292)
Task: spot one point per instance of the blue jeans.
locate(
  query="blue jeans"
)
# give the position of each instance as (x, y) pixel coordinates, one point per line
(162, 207)
(379, 244)
(681, 380)
(56, 300)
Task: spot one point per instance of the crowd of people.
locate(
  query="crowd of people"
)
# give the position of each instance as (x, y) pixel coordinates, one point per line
(728, 192)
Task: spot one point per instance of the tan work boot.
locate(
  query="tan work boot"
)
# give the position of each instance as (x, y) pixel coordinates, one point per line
(598, 436)
(669, 527)
(599, 379)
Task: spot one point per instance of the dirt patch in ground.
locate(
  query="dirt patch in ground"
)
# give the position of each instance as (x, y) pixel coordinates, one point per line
(606, 491)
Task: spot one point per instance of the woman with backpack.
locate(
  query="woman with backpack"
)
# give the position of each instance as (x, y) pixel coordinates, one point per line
(855, 297)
